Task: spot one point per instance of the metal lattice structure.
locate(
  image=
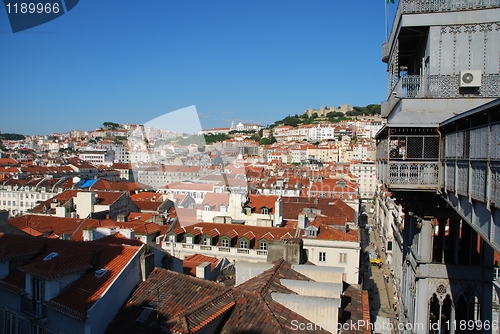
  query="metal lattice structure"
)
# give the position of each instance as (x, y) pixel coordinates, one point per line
(471, 163)
(409, 161)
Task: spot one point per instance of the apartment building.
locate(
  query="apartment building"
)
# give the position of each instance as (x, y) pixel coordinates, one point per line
(59, 286)
(366, 173)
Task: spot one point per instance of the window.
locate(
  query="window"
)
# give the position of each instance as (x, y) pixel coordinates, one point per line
(10, 323)
(389, 245)
(37, 329)
(38, 290)
(244, 244)
(342, 257)
(263, 245)
(322, 256)
(224, 243)
(206, 241)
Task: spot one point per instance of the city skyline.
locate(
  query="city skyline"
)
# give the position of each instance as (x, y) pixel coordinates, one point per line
(245, 62)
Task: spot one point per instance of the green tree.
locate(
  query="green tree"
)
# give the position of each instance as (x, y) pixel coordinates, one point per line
(267, 141)
(292, 121)
(110, 125)
(11, 136)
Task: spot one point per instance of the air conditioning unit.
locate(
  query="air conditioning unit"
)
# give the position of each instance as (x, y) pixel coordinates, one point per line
(470, 78)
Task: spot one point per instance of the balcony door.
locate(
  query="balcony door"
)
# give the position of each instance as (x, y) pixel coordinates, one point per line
(38, 290)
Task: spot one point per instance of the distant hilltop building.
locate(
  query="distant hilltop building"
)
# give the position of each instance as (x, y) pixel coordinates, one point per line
(245, 127)
(323, 111)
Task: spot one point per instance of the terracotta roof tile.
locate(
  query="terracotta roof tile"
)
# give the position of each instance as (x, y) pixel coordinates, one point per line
(72, 257)
(235, 230)
(187, 305)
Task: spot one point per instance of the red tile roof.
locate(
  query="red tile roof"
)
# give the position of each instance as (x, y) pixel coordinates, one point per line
(234, 230)
(48, 225)
(187, 305)
(190, 263)
(72, 257)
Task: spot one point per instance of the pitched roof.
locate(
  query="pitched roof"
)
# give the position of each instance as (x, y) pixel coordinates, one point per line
(293, 206)
(103, 198)
(235, 230)
(72, 257)
(51, 225)
(190, 263)
(184, 304)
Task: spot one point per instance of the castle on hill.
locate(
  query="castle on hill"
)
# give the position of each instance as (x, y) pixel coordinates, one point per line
(323, 111)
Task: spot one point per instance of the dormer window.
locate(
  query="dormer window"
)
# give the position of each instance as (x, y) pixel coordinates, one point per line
(311, 231)
(207, 207)
(244, 244)
(264, 211)
(223, 208)
(207, 241)
(171, 238)
(263, 245)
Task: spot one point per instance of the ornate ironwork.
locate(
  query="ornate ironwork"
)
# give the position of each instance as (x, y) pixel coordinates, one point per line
(426, 6)
(413, 174)
(32, 307)
(441, 290)
(409, 161)
(441, 86)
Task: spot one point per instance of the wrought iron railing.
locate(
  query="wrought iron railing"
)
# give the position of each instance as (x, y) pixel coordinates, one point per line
(409, 162)
(441, 86)
(427, 6)
(32, 307)
(416, 175)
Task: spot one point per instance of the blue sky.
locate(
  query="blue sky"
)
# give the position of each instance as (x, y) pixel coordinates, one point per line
(235, 60)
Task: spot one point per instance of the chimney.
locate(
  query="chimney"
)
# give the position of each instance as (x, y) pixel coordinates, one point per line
(203, 270)
(292, 250)
(302, 224)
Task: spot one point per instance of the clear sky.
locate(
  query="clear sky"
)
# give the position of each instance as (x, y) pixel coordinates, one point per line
(130, 61)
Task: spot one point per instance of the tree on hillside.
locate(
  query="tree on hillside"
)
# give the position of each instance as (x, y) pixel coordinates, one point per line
(11, 136)
(110, 125)
(267, 141)
(292, 121)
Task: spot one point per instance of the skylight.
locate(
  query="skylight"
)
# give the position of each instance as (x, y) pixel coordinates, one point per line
(51, 256)
(101, 272)
(144, 315)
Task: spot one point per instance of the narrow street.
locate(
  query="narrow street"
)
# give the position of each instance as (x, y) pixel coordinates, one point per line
(380, 288)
